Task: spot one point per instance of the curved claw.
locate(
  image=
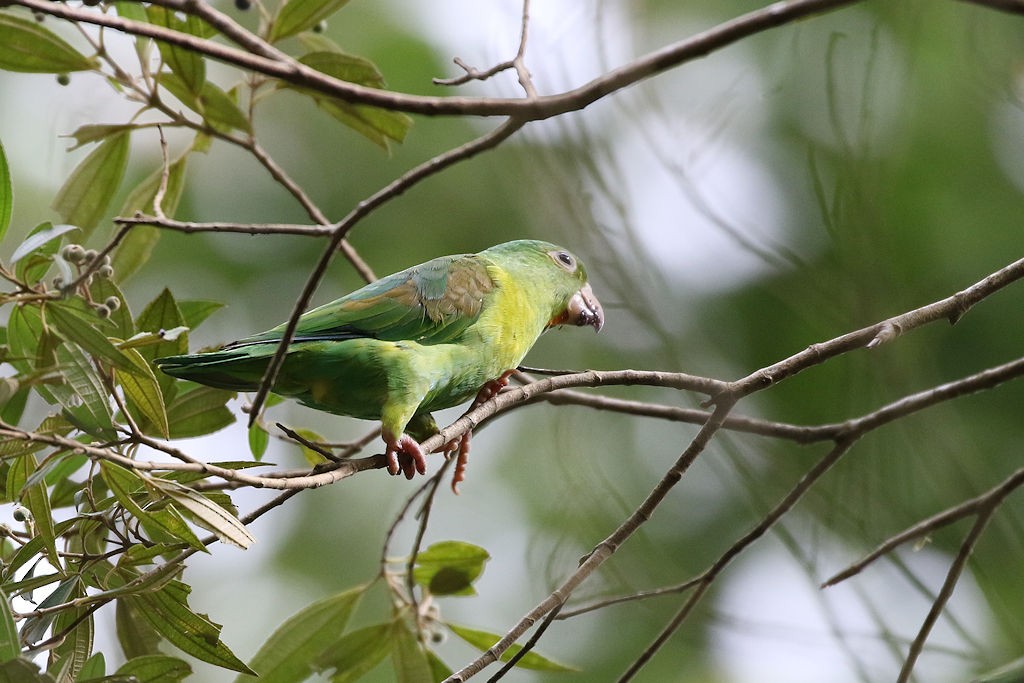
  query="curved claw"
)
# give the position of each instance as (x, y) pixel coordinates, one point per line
(405, 455)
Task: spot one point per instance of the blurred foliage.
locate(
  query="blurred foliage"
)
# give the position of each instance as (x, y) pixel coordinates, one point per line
(891, 136)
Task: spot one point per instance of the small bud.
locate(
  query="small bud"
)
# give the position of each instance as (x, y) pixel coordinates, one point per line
(243, 4)
(38, 16)
(58, 282)
(63, 79)
(320, 27)
(104, 272)
(72, 253)
(113, 303)
(102, 311)
(90, 255)
(21, 514)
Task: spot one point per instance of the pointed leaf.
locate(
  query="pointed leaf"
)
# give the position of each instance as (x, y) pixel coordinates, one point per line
(145, 401)
(483, 641)
(34, 628)
(136, 635)
(168, 612)
(6, 194)
(187, 64)
(95, 667)
(210, 102)
(199, 410)
(258, 441)
(10, 648)
(345, 67)
(85, 196)
(206, 513)
(94, 132)
(34, 497)
(162, 314)
(71, 654)
(94, 415)
(40, 235)
(123, 483)
(194, 312)
(407, 657)
(80, 327)
(155, 669)
(301, 15)
(356, 653)
(28, 47)
(289, 654)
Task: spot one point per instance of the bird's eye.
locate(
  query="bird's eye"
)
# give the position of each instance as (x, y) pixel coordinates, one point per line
(564, 259)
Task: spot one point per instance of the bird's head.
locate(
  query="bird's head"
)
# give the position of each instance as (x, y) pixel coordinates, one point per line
(557, 276)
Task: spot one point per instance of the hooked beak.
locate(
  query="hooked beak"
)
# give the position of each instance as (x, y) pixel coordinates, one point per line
(585, 309)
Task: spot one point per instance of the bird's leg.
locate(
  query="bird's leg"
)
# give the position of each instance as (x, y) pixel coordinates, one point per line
(486, 393)
(404, 455)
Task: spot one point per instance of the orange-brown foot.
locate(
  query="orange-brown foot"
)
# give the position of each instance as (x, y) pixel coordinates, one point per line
(486, 393)
(405, 455)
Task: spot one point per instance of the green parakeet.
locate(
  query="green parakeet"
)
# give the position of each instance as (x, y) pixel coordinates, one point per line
(423, 339)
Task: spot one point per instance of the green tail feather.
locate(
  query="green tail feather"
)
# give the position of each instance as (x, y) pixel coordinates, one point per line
(238, 369)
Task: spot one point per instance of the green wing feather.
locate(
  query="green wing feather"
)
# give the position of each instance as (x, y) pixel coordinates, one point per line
(431, 303)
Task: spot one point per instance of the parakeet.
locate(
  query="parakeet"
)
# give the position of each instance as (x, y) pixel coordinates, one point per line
(423, 339)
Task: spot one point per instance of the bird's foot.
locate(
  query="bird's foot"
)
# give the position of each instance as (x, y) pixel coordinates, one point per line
(461, 445)
(405, 455)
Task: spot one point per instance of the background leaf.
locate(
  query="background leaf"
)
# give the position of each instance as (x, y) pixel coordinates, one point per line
(6, 194)
(296, 16)
(26, 46)
(86, 195)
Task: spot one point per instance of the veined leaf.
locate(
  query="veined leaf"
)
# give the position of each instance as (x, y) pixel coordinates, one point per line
(296, 16)
(212, 103)
(408, 657)
(122, 483)
(483, 641)
(40, 235)
(136, 635)
(86, 194)
(35, 498)
(168, 612)
(356, 653)
(195, 311)
(74, 325)
(189, 65)
(205, 512)
(28, 47)
(93, 132)
(143, 394)
(35, 627)
(199, 410)
(290, 653)
(162, 314)
(10, 648)
(94, 667)
(6, 194)
(68, 658)
(94, 415)
(155, 669)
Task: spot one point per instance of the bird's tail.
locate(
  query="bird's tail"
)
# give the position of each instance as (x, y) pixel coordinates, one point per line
(238, 369)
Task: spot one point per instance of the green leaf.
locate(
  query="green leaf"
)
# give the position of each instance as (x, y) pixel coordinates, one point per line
(300, 15)
(136, 635)
(210, 102)
(28, 47)
(356, 653)
(94, 415)
(187, 64)
(74, 650)
(155, 669)
(95, 667)
(206, 513)
(22, 671)
(10, 648)
(162, 314)
(34, 497)
(85, 196)
(438, 669)
(34, 628)
(42, 234)
(102, 289)
(94, 132)
(145, 401)
(134, 251)
(195, 311)
(6, 194)
(199, 410)
(122, 483)
(450, 567)
(483, 641)
(80, 327)
(258, 441)
(408, 657)
(289, 654)
(377, 125)
(168, 612)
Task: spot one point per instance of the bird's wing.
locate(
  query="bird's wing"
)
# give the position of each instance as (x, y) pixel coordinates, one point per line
(431, 303)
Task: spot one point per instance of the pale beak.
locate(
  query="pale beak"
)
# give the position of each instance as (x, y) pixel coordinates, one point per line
(585, 309)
